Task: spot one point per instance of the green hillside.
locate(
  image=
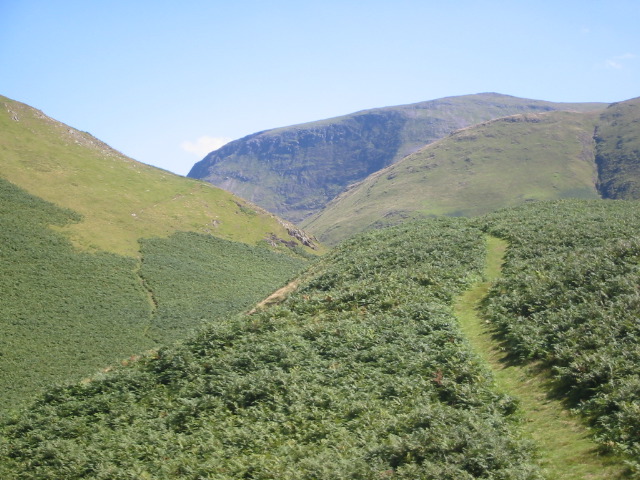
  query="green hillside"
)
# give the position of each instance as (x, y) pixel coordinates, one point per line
(65, 313)
(363, 371)
(120, 200)
(103, 258)
(618, 150)
(295, 171)
(474, 171)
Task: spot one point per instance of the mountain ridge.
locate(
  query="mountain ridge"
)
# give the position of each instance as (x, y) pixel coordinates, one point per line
(295, 171)
(494, 164)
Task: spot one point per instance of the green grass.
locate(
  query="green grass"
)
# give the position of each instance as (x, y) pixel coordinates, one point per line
(120, 200)
(565, 445)
(477, 170)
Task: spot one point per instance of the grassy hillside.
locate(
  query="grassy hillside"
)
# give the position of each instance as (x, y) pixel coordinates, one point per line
(295, 171)
(120, 200)
(360, 374)
(618, 150)
(65, 313)
(103, 257)
(194, 278)
(474, 171)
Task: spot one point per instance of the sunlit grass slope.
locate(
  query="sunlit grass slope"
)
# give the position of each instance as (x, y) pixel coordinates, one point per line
(474, 171)
(120, 200)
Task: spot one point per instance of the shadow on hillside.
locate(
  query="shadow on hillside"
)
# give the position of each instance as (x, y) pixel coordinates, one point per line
(541, 369)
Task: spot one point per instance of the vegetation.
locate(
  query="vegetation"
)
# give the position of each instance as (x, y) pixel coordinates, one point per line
(361, 373)
(120, 200)
(66, 313)
(474, 171)
(295, 171)
(566, 449)
(569, 298)
(194, 277)
(618, 150)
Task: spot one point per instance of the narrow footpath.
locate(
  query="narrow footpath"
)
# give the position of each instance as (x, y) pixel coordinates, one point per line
(564, 446)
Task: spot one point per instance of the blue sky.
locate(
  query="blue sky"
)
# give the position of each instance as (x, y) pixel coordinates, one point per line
(165, 81)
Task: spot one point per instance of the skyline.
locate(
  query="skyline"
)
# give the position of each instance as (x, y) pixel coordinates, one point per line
(166, 83)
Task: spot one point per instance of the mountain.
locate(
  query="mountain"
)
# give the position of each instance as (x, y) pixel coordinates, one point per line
(103, 258)
(476, 170)
(618, 150)
(295, 171)
(496, 164)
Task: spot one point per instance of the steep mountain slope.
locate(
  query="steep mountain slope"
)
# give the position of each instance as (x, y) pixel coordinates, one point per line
(475, 170)
(120, 200)
(133, 264)
(618, 150)
(295, 171)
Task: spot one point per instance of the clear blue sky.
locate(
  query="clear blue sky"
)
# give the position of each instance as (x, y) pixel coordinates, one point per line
(162, 80)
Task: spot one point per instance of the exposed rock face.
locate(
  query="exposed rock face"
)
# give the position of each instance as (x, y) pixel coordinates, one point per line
(295, 171)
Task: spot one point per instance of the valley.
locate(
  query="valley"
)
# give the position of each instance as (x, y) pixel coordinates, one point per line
(475, 317)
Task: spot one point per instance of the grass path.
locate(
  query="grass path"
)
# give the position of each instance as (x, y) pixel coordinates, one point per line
(565, 448)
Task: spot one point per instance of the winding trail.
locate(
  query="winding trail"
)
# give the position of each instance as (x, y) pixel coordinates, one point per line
(565, 448)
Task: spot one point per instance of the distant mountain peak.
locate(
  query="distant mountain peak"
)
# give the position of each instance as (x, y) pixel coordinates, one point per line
(296, 171)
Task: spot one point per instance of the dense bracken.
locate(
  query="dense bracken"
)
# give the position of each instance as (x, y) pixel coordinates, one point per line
(66, 313)
(63, 313)
(194, 278)
(362, 373)
(570, 297)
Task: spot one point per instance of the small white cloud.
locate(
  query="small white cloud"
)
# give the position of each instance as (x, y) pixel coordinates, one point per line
(617, 62)
(204, 145)
(613, 64)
